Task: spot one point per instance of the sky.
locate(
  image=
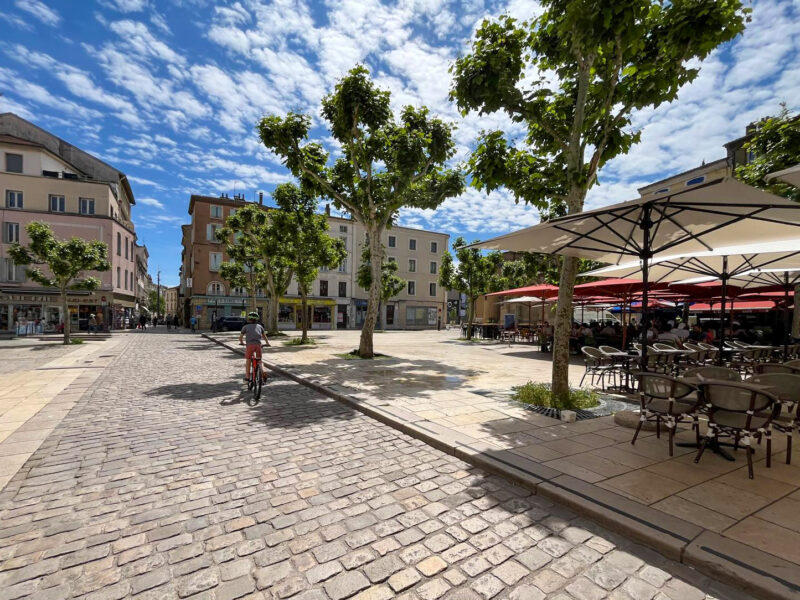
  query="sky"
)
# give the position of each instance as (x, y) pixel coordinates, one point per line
(169, 92)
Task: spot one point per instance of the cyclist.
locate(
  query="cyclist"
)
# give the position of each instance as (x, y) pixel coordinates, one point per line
(253, 332)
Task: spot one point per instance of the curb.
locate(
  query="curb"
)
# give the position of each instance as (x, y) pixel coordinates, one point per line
(724, 559)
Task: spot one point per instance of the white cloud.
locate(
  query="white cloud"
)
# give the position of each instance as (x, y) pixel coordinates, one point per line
(126, 6)
(40, 11)
(150, 202)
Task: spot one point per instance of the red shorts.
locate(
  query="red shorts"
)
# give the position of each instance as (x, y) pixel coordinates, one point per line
(251, 350)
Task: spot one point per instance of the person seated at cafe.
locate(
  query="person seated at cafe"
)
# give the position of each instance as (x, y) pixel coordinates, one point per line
(547, 336)
(587, 335)
(681, 332)
(709, 335)
(608, 330)
(666, 335)
(696, 335)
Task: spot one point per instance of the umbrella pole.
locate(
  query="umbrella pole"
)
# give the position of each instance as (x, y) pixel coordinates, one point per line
(785, 315)
(722, 308)
(624, 327)
(645, 256)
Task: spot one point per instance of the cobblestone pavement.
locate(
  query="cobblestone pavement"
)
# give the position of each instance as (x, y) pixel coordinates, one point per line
(162, 482)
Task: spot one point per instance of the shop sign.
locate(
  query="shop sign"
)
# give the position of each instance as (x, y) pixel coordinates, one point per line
(54, 299)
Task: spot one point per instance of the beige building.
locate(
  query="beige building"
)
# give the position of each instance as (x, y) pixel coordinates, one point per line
(171, 300)
(44, 178)
(703, 174)
(336, 301)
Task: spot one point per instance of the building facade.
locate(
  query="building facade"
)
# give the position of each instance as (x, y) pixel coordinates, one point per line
(44, 178)
(336, 301)
(171, 300)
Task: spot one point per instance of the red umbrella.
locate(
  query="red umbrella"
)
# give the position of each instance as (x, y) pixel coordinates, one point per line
(543, 290)
(736, 305)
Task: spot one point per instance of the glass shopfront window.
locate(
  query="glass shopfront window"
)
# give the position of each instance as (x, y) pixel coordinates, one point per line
(322, 314)
(421, 316)
(286, 314)
(27, 318)
(390, 314)
(4, 317)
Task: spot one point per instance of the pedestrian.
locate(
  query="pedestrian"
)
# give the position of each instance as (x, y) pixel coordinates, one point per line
(193, 321)
(142, 322)
(169, 321)
(92, 323)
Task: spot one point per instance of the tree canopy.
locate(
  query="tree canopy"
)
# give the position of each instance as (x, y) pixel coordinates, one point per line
(774, 146)
(475, 274)
(571, 79)
(305, 242)
(66, 263)
(387, 163)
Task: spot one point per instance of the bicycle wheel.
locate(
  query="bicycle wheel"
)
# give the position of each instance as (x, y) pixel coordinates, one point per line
(257, 383)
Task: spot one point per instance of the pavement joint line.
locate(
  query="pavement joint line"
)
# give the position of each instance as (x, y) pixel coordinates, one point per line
(510, 471)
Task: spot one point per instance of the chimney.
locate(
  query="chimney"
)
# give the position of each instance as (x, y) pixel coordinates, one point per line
(261, 198)
(328, 210)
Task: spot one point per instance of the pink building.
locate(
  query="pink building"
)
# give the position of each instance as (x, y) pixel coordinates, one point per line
(43, 178)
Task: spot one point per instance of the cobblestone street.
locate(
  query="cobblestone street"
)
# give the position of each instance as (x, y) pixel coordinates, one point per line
(162, 482)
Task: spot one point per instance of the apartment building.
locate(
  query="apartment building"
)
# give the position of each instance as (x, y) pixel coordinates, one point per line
(44, 178)
(171, 300)
(336, 301)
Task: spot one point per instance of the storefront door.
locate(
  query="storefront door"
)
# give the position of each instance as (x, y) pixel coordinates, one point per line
(341, 316)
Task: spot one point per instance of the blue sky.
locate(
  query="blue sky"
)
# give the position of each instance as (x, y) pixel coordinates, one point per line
(169, 91)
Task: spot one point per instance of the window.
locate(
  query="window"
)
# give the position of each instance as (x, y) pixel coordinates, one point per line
(215, 289)
(86, 206)
(211, 230)
(342, 289)
(390, 314)
(342, 228)
(412, 265)
(11, 233)
(127, 243)
(662, 191)
(432, 289)
(412, 288)
(13, 163)
(233, 212)
(324, 269)
(391, 259)
(696, 180)
(343, 266)
(434, 247)
(238, 291)
(12, 272)
(13, 199)
(216, 212)
(57, 203)
(119, 250)
(119, 277)
(323, 287)
(214, 261)
(392, 241)
(126, 274)
(412, 244)
(434, 267)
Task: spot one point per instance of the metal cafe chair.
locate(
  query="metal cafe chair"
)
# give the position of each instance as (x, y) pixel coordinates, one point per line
(667, 399)
(787, 387)
(742, 411)
(598, 365)
(709, 372)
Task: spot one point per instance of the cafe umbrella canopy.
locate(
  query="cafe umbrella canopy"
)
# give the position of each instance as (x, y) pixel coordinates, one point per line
(701, 218)
(722, 263)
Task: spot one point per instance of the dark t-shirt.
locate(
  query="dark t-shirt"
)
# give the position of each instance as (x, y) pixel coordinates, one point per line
(253, 332)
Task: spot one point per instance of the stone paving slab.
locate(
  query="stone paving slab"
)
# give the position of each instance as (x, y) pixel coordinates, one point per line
(638, 490)
(34, 377)
(161, 482)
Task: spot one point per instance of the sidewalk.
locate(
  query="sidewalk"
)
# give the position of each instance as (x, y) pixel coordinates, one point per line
(451, 395)
(38, 387)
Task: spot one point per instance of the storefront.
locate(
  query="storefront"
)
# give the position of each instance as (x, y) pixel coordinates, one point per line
(421, 317)
(208, 309)
(320, 314)
(29, 312)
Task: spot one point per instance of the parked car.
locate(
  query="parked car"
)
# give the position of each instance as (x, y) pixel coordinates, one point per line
(229, 324)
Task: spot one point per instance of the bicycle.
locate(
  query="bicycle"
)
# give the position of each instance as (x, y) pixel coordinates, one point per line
(255, 383)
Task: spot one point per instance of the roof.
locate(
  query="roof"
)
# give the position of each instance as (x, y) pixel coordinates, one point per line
(16, 127)
(11, 139)
(685, 174)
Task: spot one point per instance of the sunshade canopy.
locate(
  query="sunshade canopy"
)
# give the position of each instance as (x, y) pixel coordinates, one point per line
(523, 300)
(698, 219)
(727, 261)
(790, 176)
(542, 291)
(610, 287)
(734, 306)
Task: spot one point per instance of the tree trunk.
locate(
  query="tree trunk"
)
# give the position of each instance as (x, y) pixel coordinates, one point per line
(470, 316)
(366, 348)
(378, 319)
(304, 321)
(65, 308)
(796, 315)
(561, 331)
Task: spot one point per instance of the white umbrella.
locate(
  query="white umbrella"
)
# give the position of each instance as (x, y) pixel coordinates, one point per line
(529, 300)
(790, 176)
(701, 218)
